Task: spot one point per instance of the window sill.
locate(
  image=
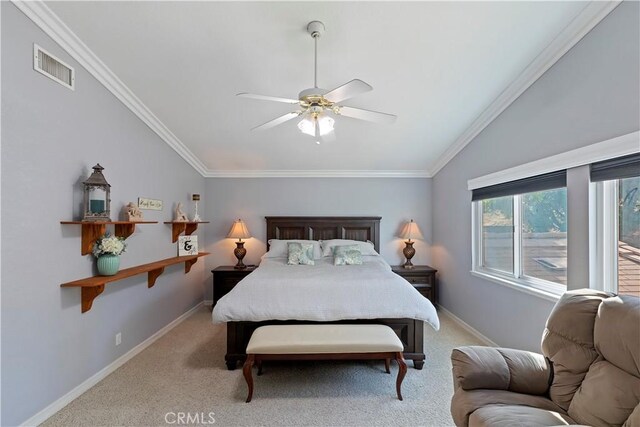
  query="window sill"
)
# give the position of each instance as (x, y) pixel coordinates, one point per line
(549, 296)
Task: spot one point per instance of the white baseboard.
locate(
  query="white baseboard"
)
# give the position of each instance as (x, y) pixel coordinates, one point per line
(467, 327)
(50, 410)
(208, 302)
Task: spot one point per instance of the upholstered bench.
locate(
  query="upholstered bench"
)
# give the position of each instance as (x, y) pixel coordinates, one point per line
(324, 342)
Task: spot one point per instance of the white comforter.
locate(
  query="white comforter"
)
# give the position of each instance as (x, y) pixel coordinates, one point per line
(324, 292)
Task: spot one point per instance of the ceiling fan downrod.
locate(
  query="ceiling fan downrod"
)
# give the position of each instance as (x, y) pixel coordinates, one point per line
(315, 29)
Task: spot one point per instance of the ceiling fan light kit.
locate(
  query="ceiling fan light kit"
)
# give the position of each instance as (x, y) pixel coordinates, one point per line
(316, 104)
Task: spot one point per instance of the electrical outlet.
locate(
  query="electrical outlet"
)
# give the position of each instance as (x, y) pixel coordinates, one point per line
(118, 338)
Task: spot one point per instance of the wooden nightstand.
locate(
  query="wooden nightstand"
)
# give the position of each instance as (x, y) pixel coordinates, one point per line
(423, 278)
(225, 278)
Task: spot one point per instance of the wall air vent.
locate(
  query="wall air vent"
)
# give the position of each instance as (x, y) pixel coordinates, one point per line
(52, 67)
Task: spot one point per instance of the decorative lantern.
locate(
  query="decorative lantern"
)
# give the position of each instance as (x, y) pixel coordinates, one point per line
(97, 196)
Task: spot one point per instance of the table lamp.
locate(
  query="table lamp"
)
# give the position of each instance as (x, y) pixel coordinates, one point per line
(239, 231)
(410, 231)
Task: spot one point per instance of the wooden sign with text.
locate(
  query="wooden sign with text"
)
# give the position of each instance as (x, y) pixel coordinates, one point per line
(149, 204)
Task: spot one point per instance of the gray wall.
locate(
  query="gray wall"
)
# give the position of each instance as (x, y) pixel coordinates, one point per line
(394, 199)
(590, 95)
(50, 137)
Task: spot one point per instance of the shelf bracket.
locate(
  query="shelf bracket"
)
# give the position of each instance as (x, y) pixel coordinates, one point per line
(188, 264)
(186, 227)
(124, 230)
(190, 228)
(177, 228)
(90, 233)
(153, 275)
(89, 294)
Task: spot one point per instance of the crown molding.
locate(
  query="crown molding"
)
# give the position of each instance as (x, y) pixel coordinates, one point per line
(53, 26)
(584, 22)
(615, 147)
(317, 174)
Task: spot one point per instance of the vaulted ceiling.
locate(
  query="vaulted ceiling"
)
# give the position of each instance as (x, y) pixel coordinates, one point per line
(436, 65)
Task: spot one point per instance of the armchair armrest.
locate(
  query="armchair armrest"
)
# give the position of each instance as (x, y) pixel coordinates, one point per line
(519, 371)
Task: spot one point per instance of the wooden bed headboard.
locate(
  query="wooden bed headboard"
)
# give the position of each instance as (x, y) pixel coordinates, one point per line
(361, 228)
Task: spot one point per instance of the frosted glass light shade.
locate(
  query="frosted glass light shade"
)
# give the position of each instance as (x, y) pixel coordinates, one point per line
(411, 231)
(307, 126)
(239, 230)
(319, 125)
(325, 124)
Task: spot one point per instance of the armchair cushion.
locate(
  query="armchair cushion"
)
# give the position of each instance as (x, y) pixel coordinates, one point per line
(568, 341)
(617, 333)
(464, 403)
(517, 415)
(634, 418)
(520, 371)
(607, 396)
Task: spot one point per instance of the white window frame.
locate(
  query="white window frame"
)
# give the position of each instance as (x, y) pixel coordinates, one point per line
(517, 279)
(604, 247)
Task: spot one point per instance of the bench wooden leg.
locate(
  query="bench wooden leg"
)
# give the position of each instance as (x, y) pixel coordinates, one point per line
(246, 370)
(401, 373)
(259, 363)
(387, 362)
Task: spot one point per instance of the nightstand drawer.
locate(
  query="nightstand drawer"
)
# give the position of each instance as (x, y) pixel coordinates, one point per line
(421, 277)
(426, 291)
(416, 280)
(229, 281)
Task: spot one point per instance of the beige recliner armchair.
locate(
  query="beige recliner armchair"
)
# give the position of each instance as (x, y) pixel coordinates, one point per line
(588, 372)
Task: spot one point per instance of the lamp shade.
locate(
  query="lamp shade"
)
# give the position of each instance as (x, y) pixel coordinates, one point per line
(239, 230)
(411, 231)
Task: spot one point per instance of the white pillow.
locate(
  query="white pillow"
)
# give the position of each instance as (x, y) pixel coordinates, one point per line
(366, 248)
(279, 249)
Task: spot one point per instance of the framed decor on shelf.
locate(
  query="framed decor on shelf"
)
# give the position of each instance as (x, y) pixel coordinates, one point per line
(187, 245)
(149, 204)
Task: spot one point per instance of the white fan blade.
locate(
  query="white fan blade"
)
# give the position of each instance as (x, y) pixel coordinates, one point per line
(277, 121)
(370, 116)
(268, 98)
(347, 90)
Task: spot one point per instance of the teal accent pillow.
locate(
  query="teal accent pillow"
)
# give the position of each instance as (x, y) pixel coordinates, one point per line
(347, 255)
(300, 253)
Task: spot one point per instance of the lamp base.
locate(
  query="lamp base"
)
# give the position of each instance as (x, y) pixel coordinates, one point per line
(408, 252)
(240, 252)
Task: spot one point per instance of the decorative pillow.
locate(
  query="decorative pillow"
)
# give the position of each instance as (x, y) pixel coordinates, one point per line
(300, 253)
(347, 255)
(366, 248)
(278, 248)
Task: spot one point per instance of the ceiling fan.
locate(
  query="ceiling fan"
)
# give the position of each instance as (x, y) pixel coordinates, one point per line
(316, 105)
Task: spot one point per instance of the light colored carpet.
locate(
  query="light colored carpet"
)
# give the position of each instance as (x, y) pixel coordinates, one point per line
(184, 371)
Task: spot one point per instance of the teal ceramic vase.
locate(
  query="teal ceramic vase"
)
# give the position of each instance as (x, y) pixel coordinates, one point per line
(108, 265)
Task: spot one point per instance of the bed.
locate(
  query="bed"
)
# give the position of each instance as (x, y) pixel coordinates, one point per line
(279, 294)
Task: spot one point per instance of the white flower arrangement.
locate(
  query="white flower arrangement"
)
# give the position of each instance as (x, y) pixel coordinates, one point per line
(109, 245)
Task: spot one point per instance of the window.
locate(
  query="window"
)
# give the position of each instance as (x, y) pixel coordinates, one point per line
(617, 242)
(522, 237)
(628, 236)
(544, 235)
(497, 234)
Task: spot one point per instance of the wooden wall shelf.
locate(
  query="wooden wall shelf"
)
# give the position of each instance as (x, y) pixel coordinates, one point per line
(93, 286)
(93, 230)
(188, 227)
